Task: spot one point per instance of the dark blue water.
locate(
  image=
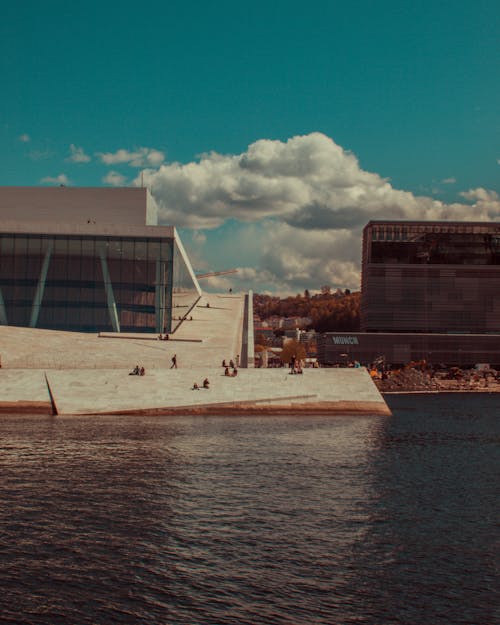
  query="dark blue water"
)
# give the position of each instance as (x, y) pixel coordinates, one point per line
(254, 520)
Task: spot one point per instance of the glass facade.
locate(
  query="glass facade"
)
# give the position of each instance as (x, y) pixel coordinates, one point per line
(431, 277)
(93, 283)
(471, 244)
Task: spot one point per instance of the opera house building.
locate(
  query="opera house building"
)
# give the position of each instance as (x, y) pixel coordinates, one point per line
(91, 260)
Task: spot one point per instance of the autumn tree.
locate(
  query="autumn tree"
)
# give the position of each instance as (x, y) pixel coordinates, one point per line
(329, 312)
(290, 348)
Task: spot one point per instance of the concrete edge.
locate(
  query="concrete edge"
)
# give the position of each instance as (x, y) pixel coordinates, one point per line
(26, 407)
(341, 408)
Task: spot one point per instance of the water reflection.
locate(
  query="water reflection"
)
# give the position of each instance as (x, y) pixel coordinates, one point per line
(250, 520)
(427, 555)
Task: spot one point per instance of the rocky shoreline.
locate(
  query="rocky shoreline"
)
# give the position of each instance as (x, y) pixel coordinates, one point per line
(411, 380)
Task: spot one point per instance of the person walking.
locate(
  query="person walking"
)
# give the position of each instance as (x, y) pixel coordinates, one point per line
(174, 362)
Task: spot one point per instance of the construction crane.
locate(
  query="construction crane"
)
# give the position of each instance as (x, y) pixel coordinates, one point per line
(201, 276)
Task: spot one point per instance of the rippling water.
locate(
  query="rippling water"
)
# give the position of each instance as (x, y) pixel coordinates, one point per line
(254, 520)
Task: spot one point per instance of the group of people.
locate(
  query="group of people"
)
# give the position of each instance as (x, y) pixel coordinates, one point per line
(232, 363)
(231, 370)
(138, 370)
(206, 384)
(295, 365)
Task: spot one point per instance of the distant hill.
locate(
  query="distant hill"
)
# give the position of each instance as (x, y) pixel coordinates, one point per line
(329, 312)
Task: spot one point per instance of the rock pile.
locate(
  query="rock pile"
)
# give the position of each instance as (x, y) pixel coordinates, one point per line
(407, 380)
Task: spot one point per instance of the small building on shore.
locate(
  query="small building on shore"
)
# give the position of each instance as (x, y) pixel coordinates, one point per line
(395, 348)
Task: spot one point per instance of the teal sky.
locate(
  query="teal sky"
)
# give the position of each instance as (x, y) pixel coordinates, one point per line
(411, 89)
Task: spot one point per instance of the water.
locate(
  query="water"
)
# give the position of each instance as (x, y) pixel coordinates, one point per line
(254, 520)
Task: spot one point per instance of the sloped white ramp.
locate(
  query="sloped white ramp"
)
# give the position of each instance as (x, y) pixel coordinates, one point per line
(24, 391)
(165, 391)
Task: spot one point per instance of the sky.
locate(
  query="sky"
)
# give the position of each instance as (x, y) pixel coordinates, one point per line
(269, 133)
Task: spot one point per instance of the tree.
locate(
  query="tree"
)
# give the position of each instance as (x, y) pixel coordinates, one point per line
(290, 348)
(260, 339)
(329, 312)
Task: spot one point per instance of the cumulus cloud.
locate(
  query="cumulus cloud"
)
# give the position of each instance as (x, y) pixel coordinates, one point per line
(114, 179)
(25, 138)
(142, 157)
(292, 260)
(314, 197)
(60, 179)
(480, 195)
(308, 181)
(77, 155)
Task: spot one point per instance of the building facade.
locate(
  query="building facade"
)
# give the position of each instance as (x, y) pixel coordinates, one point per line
(429, 291)
(438, 277)
(90, 260)
(460, 350)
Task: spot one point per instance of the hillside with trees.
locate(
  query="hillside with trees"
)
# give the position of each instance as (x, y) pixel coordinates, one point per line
(336, 311)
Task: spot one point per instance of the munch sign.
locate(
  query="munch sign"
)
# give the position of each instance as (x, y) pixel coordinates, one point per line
(345, 340)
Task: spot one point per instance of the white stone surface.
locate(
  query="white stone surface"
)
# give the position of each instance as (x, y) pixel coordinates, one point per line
(93, 392)
(23, 385)
(88, 374)
(213, 334)
(77, 205)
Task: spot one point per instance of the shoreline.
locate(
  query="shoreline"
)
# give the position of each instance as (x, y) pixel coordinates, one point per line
(482, 391)
(333, 409)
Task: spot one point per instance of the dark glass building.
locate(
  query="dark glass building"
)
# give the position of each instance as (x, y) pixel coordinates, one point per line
(429, 290)
(438, 277)
(91, 260)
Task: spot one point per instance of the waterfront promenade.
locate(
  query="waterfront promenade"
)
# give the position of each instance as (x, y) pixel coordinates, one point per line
(73, 373)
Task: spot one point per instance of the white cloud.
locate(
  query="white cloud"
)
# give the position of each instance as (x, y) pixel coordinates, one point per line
(25, 138)
(77, 155)
(142, 157)
(291, 260)
(481, 195)
(312, 195)
(114, 179)
(60, 179)
(308, 181)
(449, 180)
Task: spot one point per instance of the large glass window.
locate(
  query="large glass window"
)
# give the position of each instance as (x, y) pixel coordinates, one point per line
(93, 283)
(440, 248)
